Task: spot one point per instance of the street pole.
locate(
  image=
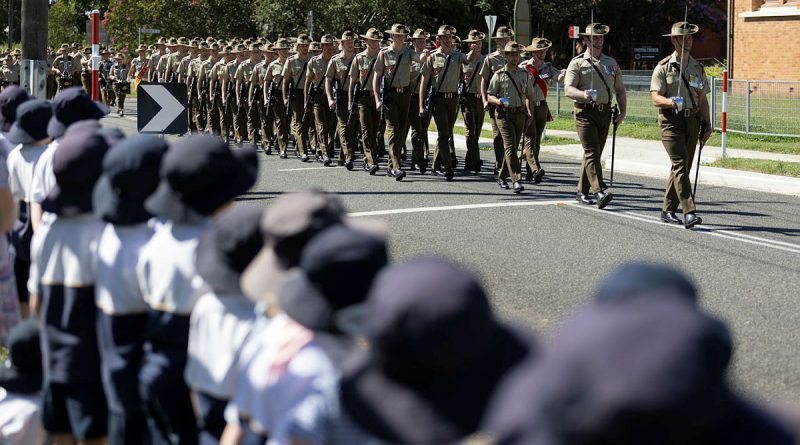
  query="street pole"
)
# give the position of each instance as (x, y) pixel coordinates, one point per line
(33, 66)
(11, 24)
(95, 55)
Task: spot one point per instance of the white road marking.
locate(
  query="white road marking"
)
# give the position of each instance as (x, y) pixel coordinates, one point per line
(487, 205)
(305, 168)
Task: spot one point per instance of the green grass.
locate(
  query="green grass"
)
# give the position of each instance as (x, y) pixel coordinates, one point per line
(3, 354)
(760, 166)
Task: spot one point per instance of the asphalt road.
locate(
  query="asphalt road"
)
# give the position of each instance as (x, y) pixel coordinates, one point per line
(540, 254)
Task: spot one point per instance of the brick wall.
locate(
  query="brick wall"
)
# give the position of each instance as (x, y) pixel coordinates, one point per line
(765, 47)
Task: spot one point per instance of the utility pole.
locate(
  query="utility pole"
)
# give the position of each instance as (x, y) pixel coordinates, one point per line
(10, 24)
(33, 67)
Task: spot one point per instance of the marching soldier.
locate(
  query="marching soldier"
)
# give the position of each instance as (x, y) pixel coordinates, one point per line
(106, 86)
(337, 85)
(188, 71)
(210, 119)
(218, 76)
(491, 64)
(118, 77)
(419, 124)
(155, 55)
(314, 50)
(392, 90)
(589, 81)
(543, 74)
(510, 91)
(323, 114)
(86, 70)
(259, 95)
(273, 79)
(293, 79)
(442, 70)
(471, 105)
(361, 93)
(63, 68)
(138, 68)
(235, 108)
(678, 89)
(10, 70)
(163, 60)
(248, 115)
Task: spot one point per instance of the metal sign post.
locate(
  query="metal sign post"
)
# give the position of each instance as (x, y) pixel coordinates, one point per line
(147, 31)
(310, 24)
(490, 22)
(95, 55)
(574, 34)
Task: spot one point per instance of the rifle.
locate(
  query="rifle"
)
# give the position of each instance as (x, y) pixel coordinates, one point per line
(703, 126)
(614, 115)
(192, 87)
(430, 91)
(290, 88)
(335, 88)
(227, 107)
(256, 92)
(243, 88)
(353, 101)
(381, 91)
(214, 92)
(270, 93)
(309, 100)
(462, 89)
(203, 89)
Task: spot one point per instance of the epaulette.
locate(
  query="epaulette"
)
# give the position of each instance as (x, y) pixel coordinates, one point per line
(665, 60)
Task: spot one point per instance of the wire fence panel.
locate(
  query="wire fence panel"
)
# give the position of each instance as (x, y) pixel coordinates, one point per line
(760, 107)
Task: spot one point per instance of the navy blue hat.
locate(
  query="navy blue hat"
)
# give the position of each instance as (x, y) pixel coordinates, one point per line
(337, 268)
(70, 106)
(22, 371)
(10, 99)
(634, 280)
(77, 163)
(198, 175)
(436, 354)
(650, 371)
(31, 123)
(225, 250)
(130, 175)
(83, 126)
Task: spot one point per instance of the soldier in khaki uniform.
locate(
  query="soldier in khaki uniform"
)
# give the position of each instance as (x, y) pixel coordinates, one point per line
(155, 55)
(229, 102)
(209, 120)
(471, 105)
(393, 70)
(491, 63)
(138, 68)
(10, 70)
(293, 77)
(118, 76)
(218, 76)
(361, 92)
(86, 70)
(324, 116)
(243, 76)
(64, 67)
(544, 75)
(511, 92)
(678, 89)
(418, 124)
(443, 69)
(256, 97)
(273, 97)
(337, 85)
(188, 72)
(589, 81)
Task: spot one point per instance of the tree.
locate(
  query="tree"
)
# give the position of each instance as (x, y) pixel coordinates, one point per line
(61, 25)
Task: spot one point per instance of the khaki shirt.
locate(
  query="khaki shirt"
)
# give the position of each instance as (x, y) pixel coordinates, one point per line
(152, 61)
(547, 73)
(433, 69)
(161, 65)
(491, 64)
(219, 73)
(259, 73)
(360, 69)
(666, 78)
(204, 73)
(387, 65)
(244, 71)
(11, 73)
(183, 67)
(293, 70)
(471, 75)
(316, 70)
(274, 72)
(501, 86)
(136, 67)
(337, 71)
(60, 61)
(118, 72)
(582, 76)
(416, 73)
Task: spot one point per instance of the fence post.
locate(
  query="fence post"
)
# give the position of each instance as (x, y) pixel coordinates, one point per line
(747, 108)
(724, 113)
(713, 103)
(558, 99)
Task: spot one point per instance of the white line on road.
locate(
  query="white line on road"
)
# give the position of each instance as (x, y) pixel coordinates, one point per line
(487, 205)
(305, 168)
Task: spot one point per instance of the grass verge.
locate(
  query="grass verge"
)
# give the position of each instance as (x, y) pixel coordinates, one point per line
(760, 166)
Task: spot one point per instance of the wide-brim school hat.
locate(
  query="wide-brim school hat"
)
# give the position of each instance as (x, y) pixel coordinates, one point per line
(77, 164)
(595, 29)
(73, 105)
(31, 124)
(198, 175)
(130, 175)
(22, 371)
(373, 34)
(635, 280)
(436, 355)
(228, 247)
(474, 36)
(681, 29)
(10, 99)
(538, 44)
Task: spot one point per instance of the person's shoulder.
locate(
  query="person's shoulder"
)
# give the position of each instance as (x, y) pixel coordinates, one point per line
(665, 60)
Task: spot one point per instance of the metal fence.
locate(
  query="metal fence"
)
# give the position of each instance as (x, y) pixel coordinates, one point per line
(759, 107)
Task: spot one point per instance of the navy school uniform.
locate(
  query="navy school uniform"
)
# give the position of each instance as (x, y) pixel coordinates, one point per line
(63, 276)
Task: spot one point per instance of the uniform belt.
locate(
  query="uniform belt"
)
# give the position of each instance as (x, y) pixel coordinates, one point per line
(592, 105)
(692, 112)
(398, 90)
(514, 109)
(446, 95)
(469, 94)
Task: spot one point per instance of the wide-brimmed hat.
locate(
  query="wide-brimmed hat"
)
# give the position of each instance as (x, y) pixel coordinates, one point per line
(303, 39)
(11, 98)
(183, 41)
(635, 280)
(22, 371)
(141, 48)
(64, 47)
(130, 176)
(397, 28)
(446, 30)
(420, 33)
(503, 32)
(281, 43)
(70, 106)
(681, 29)
(162, 41)
(512, 47)
(228, 247)
(198, 175)
(436, 354)
(336, 271)
(348, 35)
(595, 29)
(327, 38)
(254, 47)
(77, 164)
(31, 123)
(314, 46)
(372, 34)
(538, 44)
(474, 36)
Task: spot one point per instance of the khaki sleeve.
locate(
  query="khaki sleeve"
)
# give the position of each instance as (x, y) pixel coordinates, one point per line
(494, 86)
(573, 76)
(529, 87)
(379, 64)
(618, 82)
(658, 81)
(330, 72)
(427, 67)
(354, 70)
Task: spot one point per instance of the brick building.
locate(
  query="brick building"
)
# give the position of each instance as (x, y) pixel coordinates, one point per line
(765, 39)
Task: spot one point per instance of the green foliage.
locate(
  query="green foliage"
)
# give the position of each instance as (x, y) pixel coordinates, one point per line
(61, 25)
(760, 165)
(715, 70)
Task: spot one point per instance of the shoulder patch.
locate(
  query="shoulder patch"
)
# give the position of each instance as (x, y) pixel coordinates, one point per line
(665, 60)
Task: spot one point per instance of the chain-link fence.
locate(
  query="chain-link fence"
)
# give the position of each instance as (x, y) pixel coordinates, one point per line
(762, 107)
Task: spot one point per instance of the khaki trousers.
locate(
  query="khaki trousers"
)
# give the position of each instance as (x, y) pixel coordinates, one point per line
(369, 117)
(679, 134)
(444, 115)
(396, 114)
(533, 136)
(473, 123)
(592, 126)
(511, 126)
(326, 125)
(348, 137)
